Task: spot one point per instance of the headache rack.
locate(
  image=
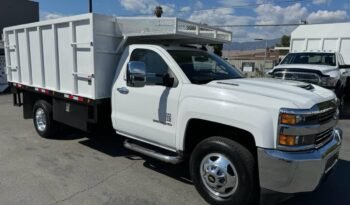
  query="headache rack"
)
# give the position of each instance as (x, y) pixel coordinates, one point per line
(171, 29)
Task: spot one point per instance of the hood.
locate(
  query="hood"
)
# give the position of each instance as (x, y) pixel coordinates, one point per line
(302, 95)
(323, 68)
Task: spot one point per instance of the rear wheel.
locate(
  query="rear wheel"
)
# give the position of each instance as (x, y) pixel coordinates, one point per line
(42, 118)
(224, 172)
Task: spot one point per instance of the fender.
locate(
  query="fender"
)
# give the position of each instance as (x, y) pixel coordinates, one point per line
(261, 123)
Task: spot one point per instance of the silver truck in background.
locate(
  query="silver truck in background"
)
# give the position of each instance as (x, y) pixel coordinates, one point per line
(321, 58)
(326, 69)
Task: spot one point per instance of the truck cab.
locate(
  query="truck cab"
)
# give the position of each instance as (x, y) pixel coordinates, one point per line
(326, 69)
(199, 99)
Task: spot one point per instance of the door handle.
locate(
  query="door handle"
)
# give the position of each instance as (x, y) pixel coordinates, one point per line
(123, 90)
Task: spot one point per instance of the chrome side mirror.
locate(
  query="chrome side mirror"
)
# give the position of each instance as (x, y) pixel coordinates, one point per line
(136, 74)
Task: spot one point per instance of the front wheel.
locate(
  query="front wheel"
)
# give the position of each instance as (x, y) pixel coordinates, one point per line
(224, 172)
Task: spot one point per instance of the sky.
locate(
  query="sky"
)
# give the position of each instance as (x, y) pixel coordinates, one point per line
(216, 12)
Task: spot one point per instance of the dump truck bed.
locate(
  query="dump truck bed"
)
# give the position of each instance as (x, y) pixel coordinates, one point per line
(78, 55)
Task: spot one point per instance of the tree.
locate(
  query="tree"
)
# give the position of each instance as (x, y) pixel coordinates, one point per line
(285, 41)
(218, 49)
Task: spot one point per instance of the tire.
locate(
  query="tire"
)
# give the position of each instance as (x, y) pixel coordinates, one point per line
(42, 118)
(241, 166)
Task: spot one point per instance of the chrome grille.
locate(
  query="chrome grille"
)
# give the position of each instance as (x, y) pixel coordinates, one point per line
(297, 76)
(326, 111)
(322, 117)
(326, 116)
(324, 137)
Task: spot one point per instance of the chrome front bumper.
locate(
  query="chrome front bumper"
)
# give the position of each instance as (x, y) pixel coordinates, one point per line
(293, 172)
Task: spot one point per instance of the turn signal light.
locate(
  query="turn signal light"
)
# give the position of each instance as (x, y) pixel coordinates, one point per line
(288, 119)
(287, 140)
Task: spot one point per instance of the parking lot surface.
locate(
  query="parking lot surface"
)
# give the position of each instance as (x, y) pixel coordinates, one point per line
(84, 171)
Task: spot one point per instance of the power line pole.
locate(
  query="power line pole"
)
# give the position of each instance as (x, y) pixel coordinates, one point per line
(265, 56)
(90, 6)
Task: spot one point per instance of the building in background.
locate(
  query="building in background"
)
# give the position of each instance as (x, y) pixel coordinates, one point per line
(14, 12)
(254, 63)
(283, 51)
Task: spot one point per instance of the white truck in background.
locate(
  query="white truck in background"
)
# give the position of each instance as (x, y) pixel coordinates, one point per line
(319, 54)
(175, 102)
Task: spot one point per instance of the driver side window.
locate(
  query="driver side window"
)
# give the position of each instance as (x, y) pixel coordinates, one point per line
(156, 68)
(154, 63)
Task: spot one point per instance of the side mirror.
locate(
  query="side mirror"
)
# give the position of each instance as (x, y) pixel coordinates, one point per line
(344, 66)
(136, 74)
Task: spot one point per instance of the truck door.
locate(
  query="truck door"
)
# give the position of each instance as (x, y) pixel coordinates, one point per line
(148, 113)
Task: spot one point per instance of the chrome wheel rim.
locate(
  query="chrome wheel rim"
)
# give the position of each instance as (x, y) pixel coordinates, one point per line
(40, 119)
(219, 175)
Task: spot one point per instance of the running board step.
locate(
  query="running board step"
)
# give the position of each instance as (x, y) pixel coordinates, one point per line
(152, 153)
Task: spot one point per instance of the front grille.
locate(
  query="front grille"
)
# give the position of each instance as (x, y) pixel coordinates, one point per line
(327, 112)
(326, 116)
(321, 118)
(324, 137)
(303, 77)
(326, 105)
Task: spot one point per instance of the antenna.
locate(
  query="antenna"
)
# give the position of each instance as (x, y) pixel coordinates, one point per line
(90, 6)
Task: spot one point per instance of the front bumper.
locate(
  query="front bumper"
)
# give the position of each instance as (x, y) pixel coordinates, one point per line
(293, 172)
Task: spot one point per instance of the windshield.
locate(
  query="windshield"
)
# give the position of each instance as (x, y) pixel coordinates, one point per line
(310, 58)
(201, 67)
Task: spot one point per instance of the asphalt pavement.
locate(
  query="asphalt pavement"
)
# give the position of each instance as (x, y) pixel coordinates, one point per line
(93, 171)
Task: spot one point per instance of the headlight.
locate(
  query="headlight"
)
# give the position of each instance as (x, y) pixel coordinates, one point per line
(296, 141)
(293, 118)
(328, 82)
(288, 140)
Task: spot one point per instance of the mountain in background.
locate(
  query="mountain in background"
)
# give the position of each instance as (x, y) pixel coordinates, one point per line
(248, 46)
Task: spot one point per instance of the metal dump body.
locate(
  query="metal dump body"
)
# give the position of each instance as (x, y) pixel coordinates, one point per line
(333, 37)
(78, 55)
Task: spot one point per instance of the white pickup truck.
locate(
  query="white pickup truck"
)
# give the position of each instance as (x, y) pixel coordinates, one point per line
(323, 68)
(175, 102)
